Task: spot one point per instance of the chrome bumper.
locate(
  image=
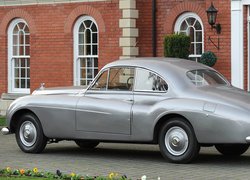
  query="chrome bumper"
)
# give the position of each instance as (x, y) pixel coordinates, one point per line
(5, 131)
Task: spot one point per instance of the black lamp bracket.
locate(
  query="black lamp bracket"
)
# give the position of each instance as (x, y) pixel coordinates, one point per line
(217, 27)
(215, 45)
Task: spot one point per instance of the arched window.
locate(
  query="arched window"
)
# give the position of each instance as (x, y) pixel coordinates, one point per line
(190, 24)
(18, 57)
(85, 50)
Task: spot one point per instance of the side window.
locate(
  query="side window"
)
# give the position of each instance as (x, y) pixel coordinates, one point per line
(121, 79)
(101, 83)
(149, 81)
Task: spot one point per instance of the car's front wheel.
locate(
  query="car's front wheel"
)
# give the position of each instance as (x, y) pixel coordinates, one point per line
(232, 149)
(29, 134)
(177, 141)
(86, 144)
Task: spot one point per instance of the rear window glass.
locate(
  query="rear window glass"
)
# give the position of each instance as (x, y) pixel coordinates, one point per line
(205, 77)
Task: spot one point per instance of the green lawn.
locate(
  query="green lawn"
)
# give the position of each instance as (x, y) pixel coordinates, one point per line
(2, 122)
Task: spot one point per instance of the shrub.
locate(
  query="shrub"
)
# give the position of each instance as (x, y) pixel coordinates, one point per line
(208, 58)
(177, 45)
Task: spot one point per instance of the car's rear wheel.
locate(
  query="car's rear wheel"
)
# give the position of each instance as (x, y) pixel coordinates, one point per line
(177, 141)
(29, 134)
(232, 149)
(86, 144)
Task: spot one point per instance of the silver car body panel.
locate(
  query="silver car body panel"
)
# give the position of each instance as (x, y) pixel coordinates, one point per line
(218, 114)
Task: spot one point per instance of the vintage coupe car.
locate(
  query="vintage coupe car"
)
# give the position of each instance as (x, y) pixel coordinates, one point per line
(179, 104)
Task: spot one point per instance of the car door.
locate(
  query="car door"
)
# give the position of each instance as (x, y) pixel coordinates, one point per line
(150, 91)
(106, 105)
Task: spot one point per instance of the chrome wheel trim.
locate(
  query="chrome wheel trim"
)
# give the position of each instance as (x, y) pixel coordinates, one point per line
(176, 141)
(28, 133)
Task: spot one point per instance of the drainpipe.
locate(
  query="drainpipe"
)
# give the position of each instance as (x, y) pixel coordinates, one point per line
(154, 27)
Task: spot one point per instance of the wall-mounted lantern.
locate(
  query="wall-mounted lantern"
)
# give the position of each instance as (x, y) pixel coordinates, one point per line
(211, 16)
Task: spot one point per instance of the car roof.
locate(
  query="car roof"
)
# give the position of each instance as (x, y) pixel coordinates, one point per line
(158, 64)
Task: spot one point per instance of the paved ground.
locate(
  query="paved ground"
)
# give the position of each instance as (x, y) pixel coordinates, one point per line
(132, 160)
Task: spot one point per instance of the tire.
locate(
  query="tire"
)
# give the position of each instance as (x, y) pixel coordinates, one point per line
(29, 134)
(177, 141)
(86, 144)
(232, 149)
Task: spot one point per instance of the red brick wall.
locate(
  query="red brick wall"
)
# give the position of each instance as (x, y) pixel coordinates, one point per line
(51, 41)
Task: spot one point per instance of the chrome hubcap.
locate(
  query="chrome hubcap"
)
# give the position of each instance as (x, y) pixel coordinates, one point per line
(176, 141)
(28, 133)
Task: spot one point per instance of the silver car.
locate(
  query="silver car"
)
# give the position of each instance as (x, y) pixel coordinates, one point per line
(179, 104)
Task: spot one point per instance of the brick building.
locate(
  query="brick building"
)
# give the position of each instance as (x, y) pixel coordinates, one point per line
(65, 42)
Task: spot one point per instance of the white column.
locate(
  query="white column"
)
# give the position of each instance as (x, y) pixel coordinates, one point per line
(237, 53)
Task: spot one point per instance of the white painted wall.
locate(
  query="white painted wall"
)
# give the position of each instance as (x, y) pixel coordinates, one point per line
(237, 53)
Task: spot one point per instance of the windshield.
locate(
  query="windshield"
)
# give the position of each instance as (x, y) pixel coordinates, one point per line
(204, 77)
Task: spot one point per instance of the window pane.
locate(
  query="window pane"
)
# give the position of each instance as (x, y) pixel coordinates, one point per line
(21, 37)
(90, 73)
(21, 50)
(15, 39)
(95, 50)
(96, 62)
(28, 83)
(192, 48)
(81, 28)
(15, 31)
(82, 63)
(16, 72)
(94, 28)
(190, 21)
(28, 72)
(81, 49)
(94, 37)
(88, 36)
(26, 29)
(191, 34)
(88, 50)
(101, 83)
(89, 62)
(83, 82)
(27, 39)
(197, 25)
(83, 74)
(148, 81)
(121, 79)
(198, 36)
(23, 83)
(23, 63)
(87, 23)
(15, 50)
(199, 48)
(81, 38)
(21, 25)
(183, 26)
(27, 50)
(17, 83)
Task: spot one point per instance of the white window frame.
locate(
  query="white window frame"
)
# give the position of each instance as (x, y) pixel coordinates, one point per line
(11, 79)
(178, 23)
(76, 69)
